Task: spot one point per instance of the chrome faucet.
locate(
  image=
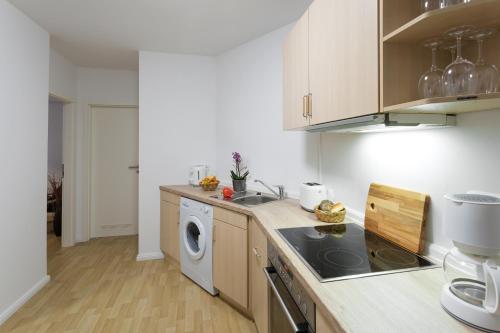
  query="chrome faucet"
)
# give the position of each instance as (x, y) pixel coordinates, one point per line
(281, 189)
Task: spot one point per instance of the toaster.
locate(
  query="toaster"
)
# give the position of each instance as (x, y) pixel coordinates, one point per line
(311, 195)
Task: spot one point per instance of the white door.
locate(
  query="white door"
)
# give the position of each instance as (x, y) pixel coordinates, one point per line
(114, 178)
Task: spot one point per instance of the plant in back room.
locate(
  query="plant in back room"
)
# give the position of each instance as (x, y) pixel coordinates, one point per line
(55, 195)
(239, 174)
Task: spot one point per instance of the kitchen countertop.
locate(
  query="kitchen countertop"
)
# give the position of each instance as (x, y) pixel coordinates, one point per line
(401, 302)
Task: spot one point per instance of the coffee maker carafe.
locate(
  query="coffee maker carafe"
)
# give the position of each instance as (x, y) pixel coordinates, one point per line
(472, 266)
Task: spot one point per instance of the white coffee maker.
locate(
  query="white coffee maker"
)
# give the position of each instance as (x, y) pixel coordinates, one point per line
(472, 267)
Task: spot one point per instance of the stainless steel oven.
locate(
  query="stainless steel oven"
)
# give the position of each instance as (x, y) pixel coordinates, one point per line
(291, 310)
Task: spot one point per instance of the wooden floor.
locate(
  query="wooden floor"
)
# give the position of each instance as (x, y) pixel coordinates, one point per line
(100, 287)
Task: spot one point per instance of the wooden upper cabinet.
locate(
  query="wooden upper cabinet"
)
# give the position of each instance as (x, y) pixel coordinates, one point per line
(343, 59)
(332, 55)
(295, 75)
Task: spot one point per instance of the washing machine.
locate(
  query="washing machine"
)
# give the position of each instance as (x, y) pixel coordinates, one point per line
(195, 232)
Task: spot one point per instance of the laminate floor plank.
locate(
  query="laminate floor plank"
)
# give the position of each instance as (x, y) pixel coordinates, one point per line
(98, 286)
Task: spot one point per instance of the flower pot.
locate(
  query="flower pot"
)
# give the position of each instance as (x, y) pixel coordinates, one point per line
(239, 185)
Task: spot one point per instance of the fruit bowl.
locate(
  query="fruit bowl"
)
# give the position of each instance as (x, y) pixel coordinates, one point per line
(209, 185)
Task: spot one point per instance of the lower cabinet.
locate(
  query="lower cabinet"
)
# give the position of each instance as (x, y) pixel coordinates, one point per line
(323, 326)
(230, 260)
(169, 226)
(239, 256)
(258, 282)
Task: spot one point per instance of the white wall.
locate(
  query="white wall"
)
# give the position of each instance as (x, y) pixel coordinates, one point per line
(176, 130)
(107, 86)
(62, 78)
(436, 162)
(24, 83)
(95, 86)
(55, 141)
(249, 117)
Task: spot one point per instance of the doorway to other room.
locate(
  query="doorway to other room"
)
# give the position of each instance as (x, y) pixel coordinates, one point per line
(55, 173)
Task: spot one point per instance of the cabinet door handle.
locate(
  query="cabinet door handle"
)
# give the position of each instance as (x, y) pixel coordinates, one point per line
(257, 254)
(309, 105)
(304, 106)
(213, 234)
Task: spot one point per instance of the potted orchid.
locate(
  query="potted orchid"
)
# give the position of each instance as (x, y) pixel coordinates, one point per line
(239, 174)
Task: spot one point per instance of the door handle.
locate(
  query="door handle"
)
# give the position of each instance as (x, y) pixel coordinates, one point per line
(296, 328)
(304, 106)
(309, 105)
(134, 167)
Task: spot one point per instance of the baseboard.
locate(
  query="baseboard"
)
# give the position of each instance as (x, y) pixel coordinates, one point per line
(23, 299)
(150, 256)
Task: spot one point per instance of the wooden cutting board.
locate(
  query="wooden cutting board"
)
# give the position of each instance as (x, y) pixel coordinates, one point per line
(397, 215)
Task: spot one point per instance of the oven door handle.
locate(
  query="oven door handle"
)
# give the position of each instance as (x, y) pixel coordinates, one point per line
(268, 271)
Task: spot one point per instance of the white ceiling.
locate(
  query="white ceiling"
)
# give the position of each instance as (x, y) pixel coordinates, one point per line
(108, 33)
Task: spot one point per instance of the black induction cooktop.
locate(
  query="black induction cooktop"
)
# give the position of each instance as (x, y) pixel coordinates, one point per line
(345, 251)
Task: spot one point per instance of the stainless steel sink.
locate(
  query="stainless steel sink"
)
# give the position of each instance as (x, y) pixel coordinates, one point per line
(253, 200)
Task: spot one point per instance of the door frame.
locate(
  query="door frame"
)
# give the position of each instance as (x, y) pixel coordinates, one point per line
(88, 140)
(68, 138)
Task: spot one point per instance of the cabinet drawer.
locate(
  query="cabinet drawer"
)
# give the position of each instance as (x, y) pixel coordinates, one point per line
(233, 218)
(170, 197)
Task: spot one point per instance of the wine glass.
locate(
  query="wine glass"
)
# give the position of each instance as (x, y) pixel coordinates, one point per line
(487, 74)
(451, 46)
(427, 5)
(430, 83)
(460, 77)
(446, 3)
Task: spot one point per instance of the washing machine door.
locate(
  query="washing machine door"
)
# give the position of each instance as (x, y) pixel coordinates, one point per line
(194, 237)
